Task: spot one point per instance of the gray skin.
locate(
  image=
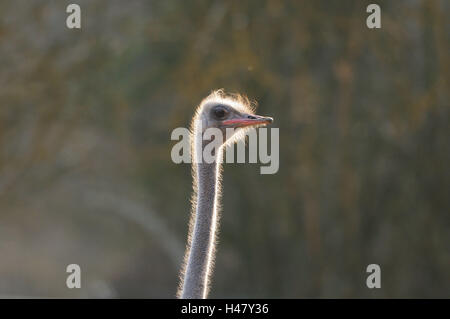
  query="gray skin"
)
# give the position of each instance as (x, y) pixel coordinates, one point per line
(200, 254)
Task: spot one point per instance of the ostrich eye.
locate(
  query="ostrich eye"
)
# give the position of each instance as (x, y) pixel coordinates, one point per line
(220, 112)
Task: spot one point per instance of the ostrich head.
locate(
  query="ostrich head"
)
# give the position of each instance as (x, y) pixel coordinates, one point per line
(226, 111)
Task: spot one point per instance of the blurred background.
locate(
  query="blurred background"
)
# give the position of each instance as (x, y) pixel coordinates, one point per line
(86, 175)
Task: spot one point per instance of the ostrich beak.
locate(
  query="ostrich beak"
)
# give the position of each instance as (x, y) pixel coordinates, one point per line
(248, 120)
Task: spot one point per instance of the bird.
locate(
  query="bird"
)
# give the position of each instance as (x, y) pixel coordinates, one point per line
(218, 110)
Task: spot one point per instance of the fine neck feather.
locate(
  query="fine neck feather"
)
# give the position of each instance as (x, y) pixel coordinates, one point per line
(201, 254)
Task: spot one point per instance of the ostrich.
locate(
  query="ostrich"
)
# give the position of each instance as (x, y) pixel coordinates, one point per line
(222, 111)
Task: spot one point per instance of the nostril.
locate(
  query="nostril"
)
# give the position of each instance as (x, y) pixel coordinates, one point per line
(251, 117)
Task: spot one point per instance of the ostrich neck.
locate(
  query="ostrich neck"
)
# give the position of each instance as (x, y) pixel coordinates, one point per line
(201, 254)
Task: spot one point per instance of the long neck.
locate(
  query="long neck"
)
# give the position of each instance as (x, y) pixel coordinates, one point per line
(201, 254)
